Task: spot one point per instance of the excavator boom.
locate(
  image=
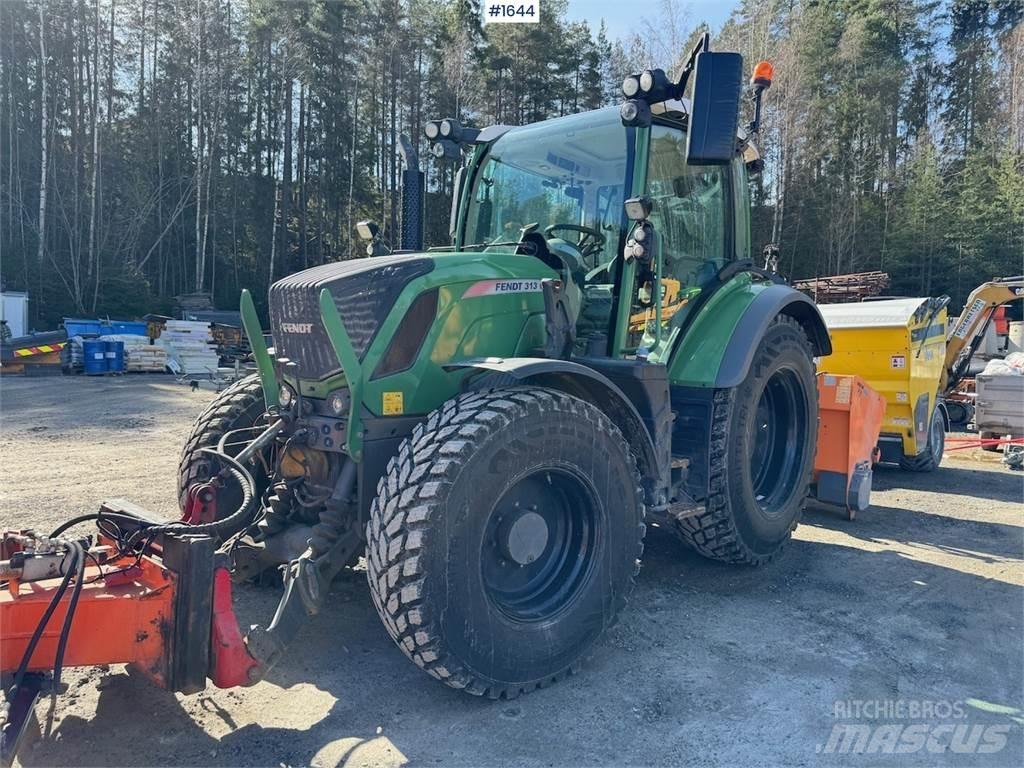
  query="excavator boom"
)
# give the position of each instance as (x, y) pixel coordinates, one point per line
(965, 336)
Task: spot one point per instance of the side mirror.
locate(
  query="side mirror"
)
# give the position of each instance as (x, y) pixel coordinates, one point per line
(714, 118)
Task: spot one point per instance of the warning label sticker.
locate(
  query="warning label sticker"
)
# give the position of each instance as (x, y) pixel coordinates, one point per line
(393, 404)
(843, 390)
(898, 361)
(494, 287)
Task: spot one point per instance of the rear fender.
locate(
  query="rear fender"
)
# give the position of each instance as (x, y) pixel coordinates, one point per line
(587, 384)
(768, 304)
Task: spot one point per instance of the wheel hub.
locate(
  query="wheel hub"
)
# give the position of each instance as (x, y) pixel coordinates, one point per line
(526, 538)
(538, 544)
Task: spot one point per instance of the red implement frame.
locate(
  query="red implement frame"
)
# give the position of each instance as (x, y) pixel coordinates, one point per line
(122, 617)
(167, 613)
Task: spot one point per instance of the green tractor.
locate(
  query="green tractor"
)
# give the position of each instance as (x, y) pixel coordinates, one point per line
(493, 424)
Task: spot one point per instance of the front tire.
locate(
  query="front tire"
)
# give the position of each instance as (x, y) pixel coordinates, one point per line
(505, 538)
(240, 406)
(762, 446)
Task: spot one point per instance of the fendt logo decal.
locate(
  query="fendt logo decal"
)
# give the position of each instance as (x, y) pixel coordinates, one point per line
(494, 287)
(297, 327)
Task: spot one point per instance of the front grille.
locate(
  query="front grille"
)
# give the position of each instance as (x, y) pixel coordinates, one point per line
(364, 291)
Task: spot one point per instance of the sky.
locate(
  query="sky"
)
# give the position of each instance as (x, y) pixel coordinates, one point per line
(622, 16)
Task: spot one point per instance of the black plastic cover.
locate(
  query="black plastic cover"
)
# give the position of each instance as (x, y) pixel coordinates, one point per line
(364, 291)
(405, 345)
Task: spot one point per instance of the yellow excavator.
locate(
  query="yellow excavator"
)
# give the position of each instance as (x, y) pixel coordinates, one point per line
(964, 337)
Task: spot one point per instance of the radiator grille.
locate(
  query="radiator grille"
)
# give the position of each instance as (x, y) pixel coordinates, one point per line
(364, 291)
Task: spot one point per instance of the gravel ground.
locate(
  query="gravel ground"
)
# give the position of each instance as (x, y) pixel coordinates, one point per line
(906, 623)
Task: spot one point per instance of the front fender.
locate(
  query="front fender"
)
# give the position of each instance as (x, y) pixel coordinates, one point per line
(587, 384)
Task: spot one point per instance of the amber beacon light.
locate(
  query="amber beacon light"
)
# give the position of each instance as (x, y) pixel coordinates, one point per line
(762, 75)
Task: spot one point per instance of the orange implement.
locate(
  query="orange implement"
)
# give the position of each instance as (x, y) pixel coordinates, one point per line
(122, 618)
(153, 612)
(850, 415)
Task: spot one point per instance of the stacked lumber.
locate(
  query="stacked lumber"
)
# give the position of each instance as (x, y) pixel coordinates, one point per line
(193, 302)
(839, 289)
(151, 359)
(190, 347)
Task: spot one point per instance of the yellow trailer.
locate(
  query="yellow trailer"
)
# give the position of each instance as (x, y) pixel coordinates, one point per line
(898, 346)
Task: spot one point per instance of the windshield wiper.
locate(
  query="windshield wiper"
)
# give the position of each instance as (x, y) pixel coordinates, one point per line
(530, 247)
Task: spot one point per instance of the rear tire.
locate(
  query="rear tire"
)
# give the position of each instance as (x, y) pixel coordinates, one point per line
(239, 406)
(505, 538)
(930, 458)
(761, 453)
(959, 413)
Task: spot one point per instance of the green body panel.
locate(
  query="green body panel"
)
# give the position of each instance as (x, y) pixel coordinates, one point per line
(638, 185)
(504, 324)
(492, 325)
(254, 331)
(696, 358)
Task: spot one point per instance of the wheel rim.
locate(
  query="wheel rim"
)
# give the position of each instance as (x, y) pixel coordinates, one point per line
(539, 545)
(780, 423)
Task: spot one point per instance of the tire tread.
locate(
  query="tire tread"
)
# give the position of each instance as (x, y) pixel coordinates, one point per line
(714, 532)
(410, 498)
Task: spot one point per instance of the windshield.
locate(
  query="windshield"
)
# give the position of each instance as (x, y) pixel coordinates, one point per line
(565, 171)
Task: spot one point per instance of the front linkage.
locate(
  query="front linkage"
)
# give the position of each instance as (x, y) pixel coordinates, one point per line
(148, 592)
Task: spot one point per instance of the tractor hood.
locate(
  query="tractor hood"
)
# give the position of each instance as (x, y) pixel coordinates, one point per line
(364, 291)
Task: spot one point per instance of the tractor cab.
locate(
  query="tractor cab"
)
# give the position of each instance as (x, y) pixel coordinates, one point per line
(557, 191)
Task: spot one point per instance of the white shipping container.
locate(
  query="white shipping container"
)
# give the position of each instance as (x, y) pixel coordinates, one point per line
(14, 309)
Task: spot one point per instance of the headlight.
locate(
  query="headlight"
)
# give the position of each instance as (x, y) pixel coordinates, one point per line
(286, 396)
(338, 402)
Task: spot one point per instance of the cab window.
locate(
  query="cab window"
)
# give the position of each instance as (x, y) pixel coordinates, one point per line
(689, 210)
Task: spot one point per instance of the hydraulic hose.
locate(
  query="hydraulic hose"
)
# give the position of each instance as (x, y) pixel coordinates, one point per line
(147, 528)
(30, 649)
(217, 527)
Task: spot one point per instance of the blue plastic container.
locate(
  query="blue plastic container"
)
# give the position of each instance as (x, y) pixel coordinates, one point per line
(82, 327)
(78, 327)
(113, 351)
(94, 354)
(127, 328)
